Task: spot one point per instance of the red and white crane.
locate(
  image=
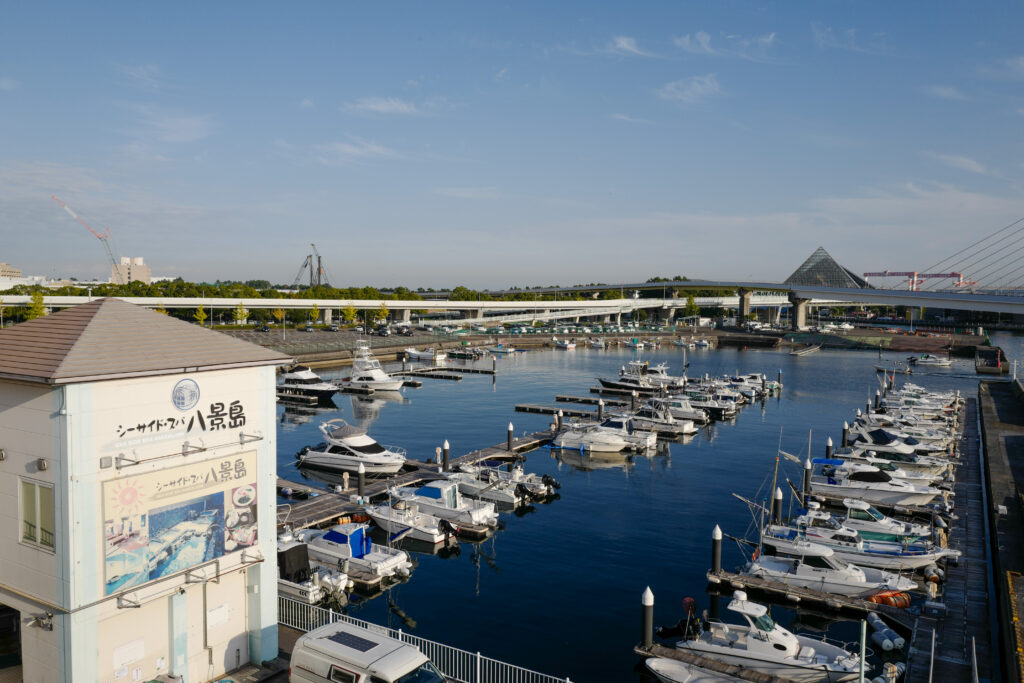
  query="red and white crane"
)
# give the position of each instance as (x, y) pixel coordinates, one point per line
(103, 237)
(915, 279)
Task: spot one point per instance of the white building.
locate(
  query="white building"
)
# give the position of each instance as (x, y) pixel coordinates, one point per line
(130, 269)
(137, 497)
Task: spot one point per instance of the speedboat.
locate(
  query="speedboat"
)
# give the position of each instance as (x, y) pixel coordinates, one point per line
(347, 448)
(630, 382)
(597, 344)
(873, 486)
(299, 580)
(613, 435)
(681, 408)
(433, 355)
(655, 374)
(350, 545)
(658, 419)
(930, 360)
(368, 374)
(442, 499)
(912, 466)
(805, 564)
(882, 440)
(674, 671)
(762, 645)
(506, 488)
(701, 343)
(299, 379)
(406, 519)
(716, 408)
(871, 524)
(566, 344)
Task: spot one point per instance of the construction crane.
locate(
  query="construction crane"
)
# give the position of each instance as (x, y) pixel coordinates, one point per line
(104, 237)
(915, 279)
(317, 272)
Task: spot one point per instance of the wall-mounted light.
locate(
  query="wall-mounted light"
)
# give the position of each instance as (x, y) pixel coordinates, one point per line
(44, 622)
(3, 454)
(42, 464)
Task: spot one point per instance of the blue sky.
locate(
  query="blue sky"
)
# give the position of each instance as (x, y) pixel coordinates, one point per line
(485, 144)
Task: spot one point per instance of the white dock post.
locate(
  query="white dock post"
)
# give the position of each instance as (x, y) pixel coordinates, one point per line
(777, 508)
(828, 447)
(846, 434)
(445, 452)
(509, 441)
(716, 549)
(647, 618)
(362, 479)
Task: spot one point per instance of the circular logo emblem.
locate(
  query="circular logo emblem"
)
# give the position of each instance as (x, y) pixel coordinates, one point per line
(185, 394)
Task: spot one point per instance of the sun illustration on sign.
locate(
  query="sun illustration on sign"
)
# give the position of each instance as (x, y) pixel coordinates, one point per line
(127, 498)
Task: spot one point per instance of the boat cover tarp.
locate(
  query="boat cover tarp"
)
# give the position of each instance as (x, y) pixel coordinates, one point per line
(345, 431)
(293, 563)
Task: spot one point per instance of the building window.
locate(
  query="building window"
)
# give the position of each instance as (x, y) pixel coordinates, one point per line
(37, 513)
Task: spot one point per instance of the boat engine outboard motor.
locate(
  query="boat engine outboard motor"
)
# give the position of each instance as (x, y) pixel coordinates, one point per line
(548, 480)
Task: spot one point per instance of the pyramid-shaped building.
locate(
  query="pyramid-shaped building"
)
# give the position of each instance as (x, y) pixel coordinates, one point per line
(821, 270)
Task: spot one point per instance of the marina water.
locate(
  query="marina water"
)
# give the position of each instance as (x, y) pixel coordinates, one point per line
(558, 588)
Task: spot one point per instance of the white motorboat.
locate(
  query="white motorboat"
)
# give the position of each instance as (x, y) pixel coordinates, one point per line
(598, 344)
(927, 359)
(914, 465)
(805, 564)
(613, 435)
(885, 440)
(500, 493)
(442, 499)
(762, 645)
(681, 409)
(701, 343)
(347, 448)
(869, 464)
(873, 486)
(299, 580)
(634, 344)
(433, 355)
(657, 375)
(300, 380)
(674, 671)
(873, 525)
(566, 344)
(501, 487)
(368, 374)
(406, 520)
(716, 408)
(658, 419)
(350, 545)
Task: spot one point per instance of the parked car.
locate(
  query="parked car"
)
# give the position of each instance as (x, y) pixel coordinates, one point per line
(264, 328)
(406, 331)
(334, 328)
(383, 331)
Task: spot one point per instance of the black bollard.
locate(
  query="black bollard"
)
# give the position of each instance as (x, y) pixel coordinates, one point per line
(600, 409)
(494, 365)
(445, 452)
(647, 618)
(361, 485)
(846, 435)
(878, 399)
(778, 506)
(828, 447)
(764, 385)
(509, 442)
(558, 421)
(867, 408)
(806, 489)
(780, 377)
(716, 550)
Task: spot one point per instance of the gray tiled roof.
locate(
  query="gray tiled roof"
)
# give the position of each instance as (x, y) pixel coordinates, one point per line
(821, 270)
(110, 338)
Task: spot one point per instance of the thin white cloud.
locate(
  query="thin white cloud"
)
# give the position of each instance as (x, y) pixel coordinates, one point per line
(1014, 66)
(144, 76)
(691, 91)
(8, 84)
(341, 153)
(500, 76)
(382, 105)
(960, 163)
(306, 103)
(470, 192)
(825, 37)
(699, 44)
(732, 45)
(626, 45)
(159, 125)
(627, 118)
(944, 92)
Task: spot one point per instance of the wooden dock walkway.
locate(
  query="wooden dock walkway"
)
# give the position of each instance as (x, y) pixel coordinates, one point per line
(591, 400)
(794, 595)
(325, 507)
(964, 633)
(549, 410)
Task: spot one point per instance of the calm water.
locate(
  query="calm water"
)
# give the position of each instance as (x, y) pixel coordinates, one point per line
(558, 589)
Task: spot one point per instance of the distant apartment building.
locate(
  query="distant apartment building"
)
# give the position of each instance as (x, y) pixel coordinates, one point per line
(7, 270)
(131, 269)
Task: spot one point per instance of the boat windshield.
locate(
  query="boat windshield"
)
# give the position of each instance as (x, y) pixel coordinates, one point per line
(764, 623)
(875, 513)
(426, 673)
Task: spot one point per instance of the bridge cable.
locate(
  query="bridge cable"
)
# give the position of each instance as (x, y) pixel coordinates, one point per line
(947, 261)
(988, 258)
(992, 268)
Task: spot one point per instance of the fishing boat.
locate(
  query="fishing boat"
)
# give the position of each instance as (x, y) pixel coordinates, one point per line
(368, 374)
(873, 486)
(762, 645)
(349, 544)
(927, 359)
(302, 381)
(701, 343)
(613, 435)
(805, 350)
(635, 344)
(500, 349)
(871, 524)
(485, 483)
(657, 418)
(432, 355)
(299, 580)
(442, 499)
(566, 344)
(898, 368)
(406, 520)
(598, 344)
(681, 408)
(347, 448)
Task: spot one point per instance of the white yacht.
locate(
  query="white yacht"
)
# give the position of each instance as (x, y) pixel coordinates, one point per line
(368, 374)
(762, 645)
(433, 355)
(299, 379)
(349, 544)
(598, 344)
(407, 520)
(347, 448)
(658, 419)
(871, 524)
(927, 359)
(611, 436)
(566, 344)
(503, 488)
(873, 486)
(804, 564)
(681, 409)
(442, 499)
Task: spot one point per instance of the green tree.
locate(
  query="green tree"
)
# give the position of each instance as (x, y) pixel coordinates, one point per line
(200, 315)
(314, 313)
(279, 316)
(382, 313)
(692, 309)
(36, 307)
(161, 309)
(239, 314)
(349, 314)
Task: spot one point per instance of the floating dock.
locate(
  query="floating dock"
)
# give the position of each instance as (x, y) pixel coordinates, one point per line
(591, 400)
(550, 410)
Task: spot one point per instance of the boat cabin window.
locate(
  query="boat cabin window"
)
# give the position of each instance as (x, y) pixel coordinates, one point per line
(369, 448)
(816, 561)
(875, 513)
(825, 523)
(614, 424)
(843, 538)
(861, 514)
(764, 623)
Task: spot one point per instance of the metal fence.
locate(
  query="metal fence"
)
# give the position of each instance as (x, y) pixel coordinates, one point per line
(456, 665)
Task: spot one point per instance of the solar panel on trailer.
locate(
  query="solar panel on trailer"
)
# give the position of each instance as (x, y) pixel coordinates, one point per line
(353, 641)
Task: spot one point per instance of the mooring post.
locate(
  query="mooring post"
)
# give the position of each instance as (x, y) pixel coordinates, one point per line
(632, 400)
(600, 409)
(647, 618)
(878, 398)
(780, 377)
(494, 365)
(716, 550)
(445, 450)
(361, 484)
(509, 442)
(828, 447)
(807, 480)
(778, 506)
(867, 408)
(846, 434)
(558, 420)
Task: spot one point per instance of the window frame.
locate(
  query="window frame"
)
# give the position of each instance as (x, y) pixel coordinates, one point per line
(37, 542)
